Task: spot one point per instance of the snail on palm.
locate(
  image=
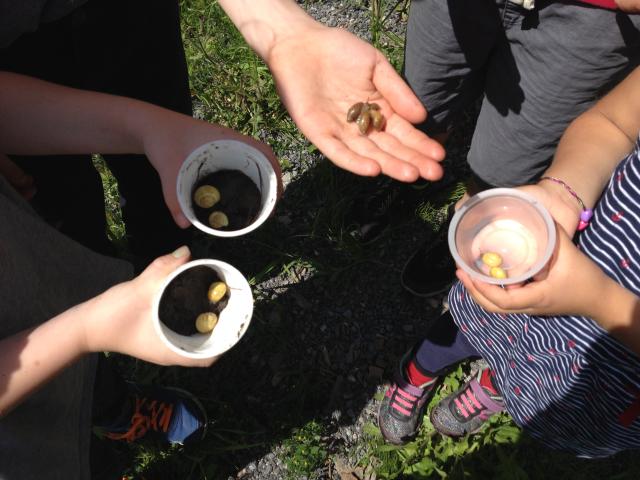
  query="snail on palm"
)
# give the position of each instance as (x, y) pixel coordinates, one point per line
(366, 115)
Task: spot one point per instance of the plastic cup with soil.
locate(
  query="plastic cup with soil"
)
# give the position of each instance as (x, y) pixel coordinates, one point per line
(187, 294)
(502, 236)
(227, 188)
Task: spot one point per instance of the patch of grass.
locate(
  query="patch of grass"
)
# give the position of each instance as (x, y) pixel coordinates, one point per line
(304, 452)
(383, 14)
(116, 229)
(230, 84)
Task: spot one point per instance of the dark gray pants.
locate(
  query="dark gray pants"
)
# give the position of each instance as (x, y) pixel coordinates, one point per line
(537, 70)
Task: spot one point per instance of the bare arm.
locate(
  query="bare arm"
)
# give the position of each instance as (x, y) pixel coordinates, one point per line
(320, 72)
(591, 148)
(119, 320)
(44, 118)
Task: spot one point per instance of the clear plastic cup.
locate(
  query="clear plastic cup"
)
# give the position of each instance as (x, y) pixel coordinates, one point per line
(233, 320)
(227, 155)
(506, 222)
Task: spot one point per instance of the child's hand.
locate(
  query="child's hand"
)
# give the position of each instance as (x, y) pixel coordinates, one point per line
(170, 137)
(121, 318)
(564, 209)
(321, 72)
(571, 284)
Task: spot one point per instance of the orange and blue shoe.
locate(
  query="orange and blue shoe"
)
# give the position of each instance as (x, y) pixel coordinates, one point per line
(170, 414)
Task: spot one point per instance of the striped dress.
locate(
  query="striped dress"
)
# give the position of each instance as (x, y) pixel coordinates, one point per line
(564, 379)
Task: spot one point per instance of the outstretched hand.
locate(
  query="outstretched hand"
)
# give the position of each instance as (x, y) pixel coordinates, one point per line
(320, 73)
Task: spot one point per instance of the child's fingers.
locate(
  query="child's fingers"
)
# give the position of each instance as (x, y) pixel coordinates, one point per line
(171, 199)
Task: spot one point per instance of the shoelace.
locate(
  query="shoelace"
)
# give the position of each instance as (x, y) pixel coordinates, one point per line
(402, 401)
(469, 406)
(157, 417)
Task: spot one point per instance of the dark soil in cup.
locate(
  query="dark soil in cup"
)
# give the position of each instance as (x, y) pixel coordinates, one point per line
(186, 297)
(240, 198)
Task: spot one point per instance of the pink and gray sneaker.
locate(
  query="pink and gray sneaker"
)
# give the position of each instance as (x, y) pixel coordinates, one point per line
(466, 410)
(401, 411)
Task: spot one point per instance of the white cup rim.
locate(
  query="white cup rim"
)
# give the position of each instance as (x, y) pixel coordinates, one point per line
(239, 283)
(267, 206)
(509, 192)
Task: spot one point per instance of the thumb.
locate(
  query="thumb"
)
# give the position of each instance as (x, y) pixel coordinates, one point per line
(163, 266)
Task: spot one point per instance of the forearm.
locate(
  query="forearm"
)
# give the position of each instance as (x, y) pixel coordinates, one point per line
(588, 153)
(594, 143)
(31, 358)
(265, 22)
(620, 314)
(43, 118)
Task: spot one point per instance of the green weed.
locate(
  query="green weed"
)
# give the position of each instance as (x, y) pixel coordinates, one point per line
(304, 452)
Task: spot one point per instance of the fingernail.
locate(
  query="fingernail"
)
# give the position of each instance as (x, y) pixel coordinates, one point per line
(181, 252)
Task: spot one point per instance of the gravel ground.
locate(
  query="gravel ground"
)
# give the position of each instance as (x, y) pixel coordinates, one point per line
(342, 338)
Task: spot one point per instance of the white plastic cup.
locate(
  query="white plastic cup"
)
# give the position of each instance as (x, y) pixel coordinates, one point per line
(233, 320)
(499, 217)
(227, 155)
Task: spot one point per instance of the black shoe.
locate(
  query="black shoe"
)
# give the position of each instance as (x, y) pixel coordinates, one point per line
(431, 270)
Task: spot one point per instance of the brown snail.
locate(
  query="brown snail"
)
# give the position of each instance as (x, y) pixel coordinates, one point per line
(365, 115)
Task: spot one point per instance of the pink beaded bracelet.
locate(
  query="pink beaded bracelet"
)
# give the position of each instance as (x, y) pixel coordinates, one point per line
(586, 214)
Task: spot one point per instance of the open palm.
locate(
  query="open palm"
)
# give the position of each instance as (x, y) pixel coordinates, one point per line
(321, 73)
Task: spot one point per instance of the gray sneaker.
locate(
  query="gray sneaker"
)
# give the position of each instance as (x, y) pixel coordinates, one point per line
(401, 411)
(466, 410)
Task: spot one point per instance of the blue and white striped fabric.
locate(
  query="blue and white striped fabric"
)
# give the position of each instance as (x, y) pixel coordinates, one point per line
(565, 380)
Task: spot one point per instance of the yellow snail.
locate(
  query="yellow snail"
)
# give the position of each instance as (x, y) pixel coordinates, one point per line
(218, 219)
(206, 322)
(217, 291)
(206, 196)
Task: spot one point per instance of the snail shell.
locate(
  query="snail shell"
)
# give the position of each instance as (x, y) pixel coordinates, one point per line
(377, 119)
(354, 111)
(363, 121)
